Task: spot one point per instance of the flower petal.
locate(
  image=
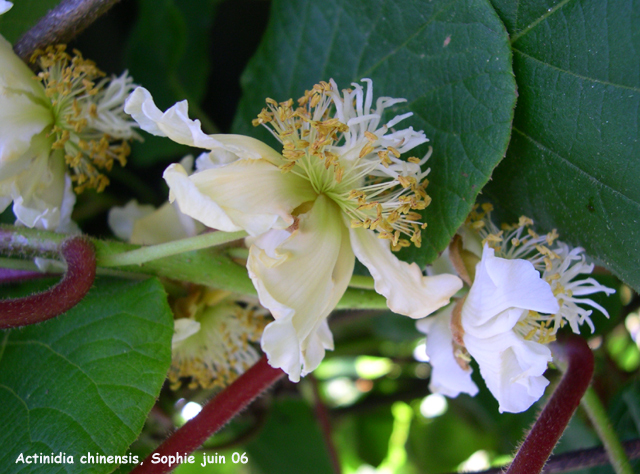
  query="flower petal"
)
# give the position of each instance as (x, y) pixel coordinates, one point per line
(122, 218)
(174, 123)
(300, 276)
(512, 368)
(447, 376)
(5, 6)
(251, 195)
(407, 290)
(501, 290)
(22, 114)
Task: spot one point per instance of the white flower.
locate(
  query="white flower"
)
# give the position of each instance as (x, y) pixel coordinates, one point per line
(55, 132)
(212, 338)
(337, 187)
(494, 320)
(142, 224)
(5, 6)
(524, 289)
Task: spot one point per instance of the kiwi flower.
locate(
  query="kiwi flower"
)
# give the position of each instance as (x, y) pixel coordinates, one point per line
(524, 288)
(338, 190)
(59, 132)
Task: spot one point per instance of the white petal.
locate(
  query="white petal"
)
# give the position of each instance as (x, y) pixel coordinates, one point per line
(407, 290)
(5, 6)
(174, 123)
(300, 277)
(502, 289)
(447, 377)
(512, 368)
(251, 195)
(122, 219)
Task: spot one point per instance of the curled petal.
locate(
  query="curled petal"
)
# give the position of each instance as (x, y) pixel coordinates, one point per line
(502, 289)
(300, 277)
(407, 290)
(251, 195)
(448, 377)
(174, 123)
(512, 368)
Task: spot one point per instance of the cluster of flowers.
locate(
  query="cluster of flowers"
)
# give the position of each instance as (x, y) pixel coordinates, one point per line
(338, 191)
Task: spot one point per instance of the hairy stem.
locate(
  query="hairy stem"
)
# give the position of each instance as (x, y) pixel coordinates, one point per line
(61, 25)
(574, 353)
(80, 257)
(214, 415)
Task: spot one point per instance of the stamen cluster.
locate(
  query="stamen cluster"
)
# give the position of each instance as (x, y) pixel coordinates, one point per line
(336, 143)
(89, 121)
(559, 265)
(221, 350)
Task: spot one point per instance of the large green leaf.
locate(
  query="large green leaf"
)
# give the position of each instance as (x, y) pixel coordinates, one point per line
(574, 158)
(85, 381)
(22, 16)
(450, 59)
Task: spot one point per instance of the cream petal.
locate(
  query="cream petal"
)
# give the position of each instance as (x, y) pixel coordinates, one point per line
(173, 123)
(300, 277)
(122, 218)
(251, 195)
(447, 376)
(164, 225)
(182, 329)
(21, 117)
(407, 290)
(512, 368)
(501, 291)
(42, 195)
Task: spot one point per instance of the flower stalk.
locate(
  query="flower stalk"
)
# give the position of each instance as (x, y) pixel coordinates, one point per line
(154, 252)
(214, 415)
(543, 437)
(80, 257)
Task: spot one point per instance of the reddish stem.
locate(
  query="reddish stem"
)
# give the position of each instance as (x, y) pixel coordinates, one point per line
(215, 414)
(322, 415)
(81, 271)
(555, 416)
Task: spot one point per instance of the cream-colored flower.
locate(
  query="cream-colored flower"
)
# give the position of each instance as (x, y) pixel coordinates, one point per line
(338, 191)
(57, 129)
(213, 336)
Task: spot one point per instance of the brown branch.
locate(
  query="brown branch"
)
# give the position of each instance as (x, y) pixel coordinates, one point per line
(61, 25)
(80, 257)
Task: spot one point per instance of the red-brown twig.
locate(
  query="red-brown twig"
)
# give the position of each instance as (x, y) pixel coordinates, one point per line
(80, 256)
(555, 416)
(214, 415)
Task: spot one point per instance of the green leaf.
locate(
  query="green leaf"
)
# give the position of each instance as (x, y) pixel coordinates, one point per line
(23, 15)
(85, 381)
(449, 59)
(168, 54)
(574, 158)
(290, 441)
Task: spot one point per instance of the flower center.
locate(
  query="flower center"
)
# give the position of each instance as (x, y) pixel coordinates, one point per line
(335, 143)
(78, 107)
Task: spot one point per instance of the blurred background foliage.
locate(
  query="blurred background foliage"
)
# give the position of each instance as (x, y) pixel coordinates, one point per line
(374, 385)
